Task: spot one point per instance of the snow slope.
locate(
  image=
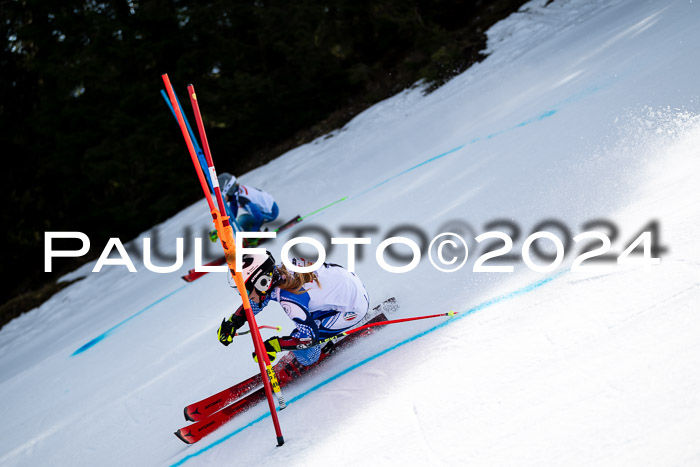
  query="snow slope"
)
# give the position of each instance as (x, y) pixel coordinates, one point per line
(585, 110)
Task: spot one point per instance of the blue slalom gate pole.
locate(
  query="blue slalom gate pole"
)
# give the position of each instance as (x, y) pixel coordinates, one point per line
(200, 154)
(197, 147)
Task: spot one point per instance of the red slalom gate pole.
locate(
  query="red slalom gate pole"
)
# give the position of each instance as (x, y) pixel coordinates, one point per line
(228, 243)
(231, 261)
(188, 140)
(207, 152)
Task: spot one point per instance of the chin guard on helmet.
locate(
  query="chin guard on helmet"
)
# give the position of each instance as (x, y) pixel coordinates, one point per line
(259, 273)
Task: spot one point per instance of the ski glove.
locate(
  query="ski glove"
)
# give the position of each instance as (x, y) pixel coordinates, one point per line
(228, 328)
(272, 346)
(226, 332)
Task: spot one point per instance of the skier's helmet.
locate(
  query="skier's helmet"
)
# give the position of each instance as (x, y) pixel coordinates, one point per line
(223, 180)
(227, 182)
(258, 272)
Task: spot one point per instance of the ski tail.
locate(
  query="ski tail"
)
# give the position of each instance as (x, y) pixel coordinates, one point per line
(194, 275)
(289, 224)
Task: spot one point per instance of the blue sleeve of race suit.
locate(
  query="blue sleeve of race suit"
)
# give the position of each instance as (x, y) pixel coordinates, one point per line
(258, 307)
(296, 306)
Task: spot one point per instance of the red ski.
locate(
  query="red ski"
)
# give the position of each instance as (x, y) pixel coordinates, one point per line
(213, 412)
(204, 408)
(194, 275)
(288, 369)
(198, 430)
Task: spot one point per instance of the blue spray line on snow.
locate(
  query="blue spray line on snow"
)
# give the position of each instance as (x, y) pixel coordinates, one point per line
(537, 118)
(410, 169)
(462, 315)
(542, 116)
(113, 328)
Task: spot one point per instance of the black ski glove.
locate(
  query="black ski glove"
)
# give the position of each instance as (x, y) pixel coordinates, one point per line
(228, 327)
(226, 331)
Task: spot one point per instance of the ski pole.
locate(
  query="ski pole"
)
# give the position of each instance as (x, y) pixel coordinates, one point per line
(402, 320)
(276, 328)
(370, 325)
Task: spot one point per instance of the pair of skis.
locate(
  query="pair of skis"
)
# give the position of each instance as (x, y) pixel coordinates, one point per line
(211, 413)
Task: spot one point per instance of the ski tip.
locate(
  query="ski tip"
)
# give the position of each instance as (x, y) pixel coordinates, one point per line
(187, 415)
(179, 434)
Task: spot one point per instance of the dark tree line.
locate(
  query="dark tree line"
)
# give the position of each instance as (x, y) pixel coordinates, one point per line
(89, 145)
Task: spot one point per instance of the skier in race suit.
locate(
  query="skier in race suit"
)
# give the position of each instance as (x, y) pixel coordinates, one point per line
(260, 204)
(321, 304)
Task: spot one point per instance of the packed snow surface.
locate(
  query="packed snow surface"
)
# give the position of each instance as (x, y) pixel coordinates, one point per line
(585, 113)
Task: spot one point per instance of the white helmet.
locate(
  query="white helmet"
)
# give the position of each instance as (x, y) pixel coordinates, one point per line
(258, 272)
(228, 185)
(223, 179)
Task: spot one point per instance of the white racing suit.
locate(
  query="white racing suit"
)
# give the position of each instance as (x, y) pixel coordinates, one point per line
(338, 304)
